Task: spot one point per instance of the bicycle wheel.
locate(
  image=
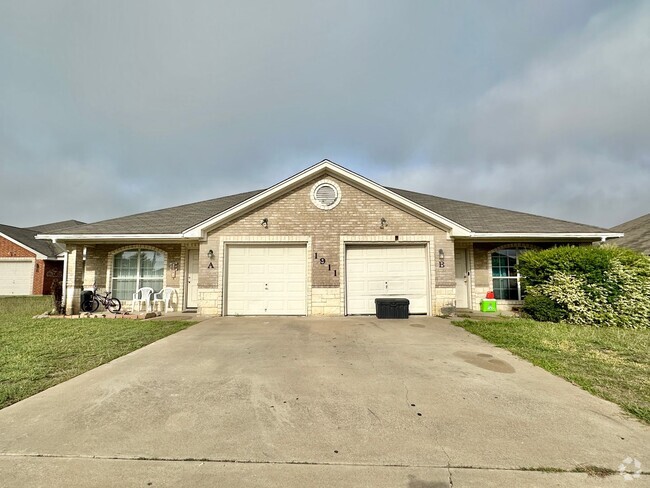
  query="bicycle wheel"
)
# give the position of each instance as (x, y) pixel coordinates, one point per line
(114, 305)
(91, 306)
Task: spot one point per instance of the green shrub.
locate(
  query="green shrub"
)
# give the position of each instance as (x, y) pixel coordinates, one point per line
(601, 286)
(543, 309)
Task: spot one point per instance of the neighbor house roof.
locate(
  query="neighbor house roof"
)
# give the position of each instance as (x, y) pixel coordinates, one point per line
(637, 234)
(27, 237)
(463, 219)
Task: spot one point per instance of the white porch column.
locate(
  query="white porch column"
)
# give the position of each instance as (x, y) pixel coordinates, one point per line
(74, 279)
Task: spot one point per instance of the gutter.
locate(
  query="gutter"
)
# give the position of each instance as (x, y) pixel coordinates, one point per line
(546, 235)
(108, 237)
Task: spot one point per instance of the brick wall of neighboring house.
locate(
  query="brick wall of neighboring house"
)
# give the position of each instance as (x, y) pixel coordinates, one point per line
(9, 249)
(355, 219)
(39, 277)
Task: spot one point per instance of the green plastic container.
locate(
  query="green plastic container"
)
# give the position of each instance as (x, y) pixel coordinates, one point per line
(488, 305)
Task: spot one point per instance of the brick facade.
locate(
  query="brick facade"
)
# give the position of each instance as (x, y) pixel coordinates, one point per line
(294, 218)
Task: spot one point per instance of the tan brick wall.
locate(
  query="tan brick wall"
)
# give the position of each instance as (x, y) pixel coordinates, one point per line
(75, 275)
(295, 216)
(482, 268)
(99, 263)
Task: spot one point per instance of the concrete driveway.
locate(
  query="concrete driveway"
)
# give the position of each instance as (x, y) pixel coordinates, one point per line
(282, 402)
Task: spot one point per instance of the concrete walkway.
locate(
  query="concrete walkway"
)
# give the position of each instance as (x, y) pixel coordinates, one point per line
(417, 403)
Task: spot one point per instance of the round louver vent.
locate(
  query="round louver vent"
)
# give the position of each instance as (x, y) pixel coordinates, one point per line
(326, 195)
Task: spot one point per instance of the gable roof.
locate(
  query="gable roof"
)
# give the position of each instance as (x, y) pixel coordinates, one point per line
(460, 219)
(637, 234)
(26, 237)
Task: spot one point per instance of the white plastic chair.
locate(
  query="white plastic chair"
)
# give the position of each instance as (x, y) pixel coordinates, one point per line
(143, 295)
(164, 297)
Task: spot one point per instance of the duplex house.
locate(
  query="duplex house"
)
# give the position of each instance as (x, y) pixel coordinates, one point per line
(326, 241)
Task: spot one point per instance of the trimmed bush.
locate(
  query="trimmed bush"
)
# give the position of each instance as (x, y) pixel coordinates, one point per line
(542, 308)
(601, 286)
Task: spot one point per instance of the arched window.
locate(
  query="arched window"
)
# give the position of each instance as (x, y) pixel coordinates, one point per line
(505, 278)
(135, 268)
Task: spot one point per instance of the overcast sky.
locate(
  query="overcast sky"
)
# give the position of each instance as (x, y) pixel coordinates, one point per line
(109, 107)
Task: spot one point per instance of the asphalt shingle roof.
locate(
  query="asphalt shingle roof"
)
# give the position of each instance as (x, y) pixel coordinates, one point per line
(171, 220)
(481, 218)
(477, 218)
(637, 234)
(56, 226)
(27, 237)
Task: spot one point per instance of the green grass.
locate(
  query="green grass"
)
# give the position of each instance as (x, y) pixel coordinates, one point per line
(609, 362)
(36, 354)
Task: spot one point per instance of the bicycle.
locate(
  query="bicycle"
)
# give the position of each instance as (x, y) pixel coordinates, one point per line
(110, 303)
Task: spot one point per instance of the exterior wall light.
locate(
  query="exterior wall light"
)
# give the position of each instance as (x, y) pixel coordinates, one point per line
(383, 223)
(265, 222)
(441, 254)
(211, 254)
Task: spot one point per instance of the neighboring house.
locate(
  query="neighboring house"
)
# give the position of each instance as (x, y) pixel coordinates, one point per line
(29, 266)
(326, 241)
(637, 234)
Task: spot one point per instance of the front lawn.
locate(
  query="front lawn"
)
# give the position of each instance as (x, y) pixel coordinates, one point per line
(36, 354)
(610, 362)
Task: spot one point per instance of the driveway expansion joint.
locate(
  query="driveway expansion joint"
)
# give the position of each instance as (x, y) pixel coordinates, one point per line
(450, 467)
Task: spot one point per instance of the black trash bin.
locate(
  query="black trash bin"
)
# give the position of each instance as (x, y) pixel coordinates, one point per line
(392, 308)
(86, 300)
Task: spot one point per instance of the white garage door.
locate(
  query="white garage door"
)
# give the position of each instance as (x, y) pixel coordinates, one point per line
(266, 280)
(386, 272)
(16, 277)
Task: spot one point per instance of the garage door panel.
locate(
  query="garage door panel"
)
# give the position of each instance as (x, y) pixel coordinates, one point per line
(386, 272)
(273, 279)
(16, 277)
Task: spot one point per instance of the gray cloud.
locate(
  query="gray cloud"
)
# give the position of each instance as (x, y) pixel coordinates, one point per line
(110, 108)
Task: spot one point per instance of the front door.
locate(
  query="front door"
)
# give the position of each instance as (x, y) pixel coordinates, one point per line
(192, 288)
(462, 278)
